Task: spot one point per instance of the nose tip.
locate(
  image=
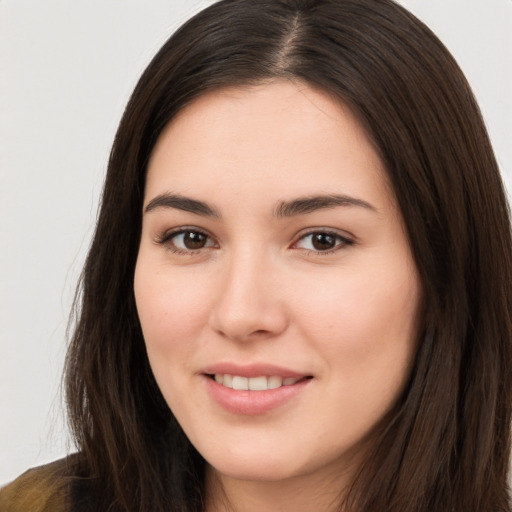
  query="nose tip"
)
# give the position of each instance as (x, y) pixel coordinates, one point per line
(247, 325)
(248, 306)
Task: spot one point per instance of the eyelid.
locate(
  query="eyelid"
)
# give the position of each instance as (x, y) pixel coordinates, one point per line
(347, 240)
(166, 237)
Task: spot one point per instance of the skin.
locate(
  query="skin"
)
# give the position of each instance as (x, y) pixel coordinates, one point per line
(260, 291)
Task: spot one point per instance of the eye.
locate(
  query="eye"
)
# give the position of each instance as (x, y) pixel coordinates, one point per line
(323, 241)
(186, 241)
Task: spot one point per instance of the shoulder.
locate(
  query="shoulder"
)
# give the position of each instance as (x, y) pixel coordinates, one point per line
(41, 489)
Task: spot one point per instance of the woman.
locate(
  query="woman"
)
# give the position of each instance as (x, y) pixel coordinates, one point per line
(292, 299)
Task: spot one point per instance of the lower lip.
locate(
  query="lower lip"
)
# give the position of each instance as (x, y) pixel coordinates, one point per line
(251, 403)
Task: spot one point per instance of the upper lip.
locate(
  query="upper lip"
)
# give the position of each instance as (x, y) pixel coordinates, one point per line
(252, 370)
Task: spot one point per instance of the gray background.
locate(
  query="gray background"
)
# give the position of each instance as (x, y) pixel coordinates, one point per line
(66, 70)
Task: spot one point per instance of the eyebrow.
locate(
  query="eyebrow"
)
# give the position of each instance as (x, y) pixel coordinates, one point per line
(304, 205)
(299, 206)
(180, 202)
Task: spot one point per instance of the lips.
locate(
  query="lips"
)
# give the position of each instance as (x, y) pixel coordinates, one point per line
(253, 389)
(253, 370)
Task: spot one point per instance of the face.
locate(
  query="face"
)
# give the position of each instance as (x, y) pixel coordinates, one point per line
(274, 283)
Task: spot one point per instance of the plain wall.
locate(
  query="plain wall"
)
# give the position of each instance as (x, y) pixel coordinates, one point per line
(66, 71)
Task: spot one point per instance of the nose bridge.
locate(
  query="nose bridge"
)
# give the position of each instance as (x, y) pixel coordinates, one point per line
(248, 301)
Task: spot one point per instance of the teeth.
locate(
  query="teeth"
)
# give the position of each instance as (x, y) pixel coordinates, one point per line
(240, 383)
(254, 383)
(274, 382)
(258, 383)
(228, 381)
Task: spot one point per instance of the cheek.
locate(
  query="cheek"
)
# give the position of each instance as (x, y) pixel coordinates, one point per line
(365, 324)
(356, 303)
(166, 299)
(366, 330)
(172, 312)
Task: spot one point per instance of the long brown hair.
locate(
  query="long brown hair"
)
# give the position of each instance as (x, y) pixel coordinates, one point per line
(445, 445)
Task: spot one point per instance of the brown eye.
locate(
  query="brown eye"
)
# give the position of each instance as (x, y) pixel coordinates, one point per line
(194, 240)
(323, 241)
(187, 241)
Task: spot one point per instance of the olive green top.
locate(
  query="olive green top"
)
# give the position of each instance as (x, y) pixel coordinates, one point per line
(42, 489)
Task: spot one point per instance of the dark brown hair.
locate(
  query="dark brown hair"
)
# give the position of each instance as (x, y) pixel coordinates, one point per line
(445, 445)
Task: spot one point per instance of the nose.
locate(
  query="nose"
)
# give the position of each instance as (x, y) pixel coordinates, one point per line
(249, 302)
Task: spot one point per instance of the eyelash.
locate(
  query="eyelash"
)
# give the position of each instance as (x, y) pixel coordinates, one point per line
(341, 241)
(167, 237)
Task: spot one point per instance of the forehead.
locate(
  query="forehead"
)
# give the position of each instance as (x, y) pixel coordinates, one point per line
(281, 137)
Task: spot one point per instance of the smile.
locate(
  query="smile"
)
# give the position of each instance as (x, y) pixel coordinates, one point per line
(253, 395)
(262, 383)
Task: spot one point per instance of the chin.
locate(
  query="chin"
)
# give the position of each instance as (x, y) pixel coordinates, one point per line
(255, 471)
